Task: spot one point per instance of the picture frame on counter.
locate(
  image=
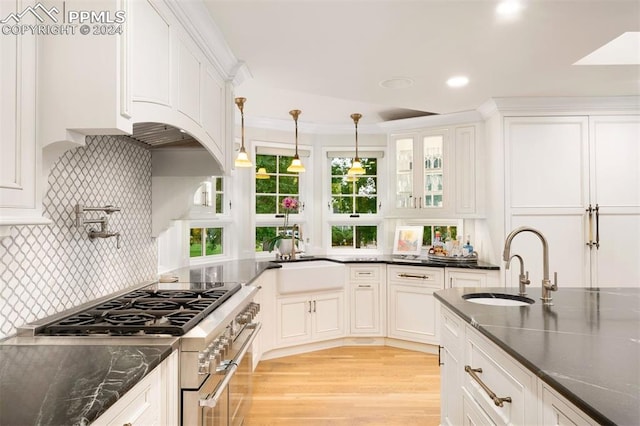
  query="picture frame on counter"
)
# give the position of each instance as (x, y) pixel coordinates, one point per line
(408, 240)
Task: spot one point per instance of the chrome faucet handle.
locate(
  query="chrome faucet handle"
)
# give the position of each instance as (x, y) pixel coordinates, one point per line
(526, 280)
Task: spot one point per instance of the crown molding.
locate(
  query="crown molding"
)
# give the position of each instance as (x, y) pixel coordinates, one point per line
(195, 19)
(555, 105)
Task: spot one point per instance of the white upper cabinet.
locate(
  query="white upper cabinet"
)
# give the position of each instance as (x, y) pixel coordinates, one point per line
(20, 195)
(436, 172)
(151, 70)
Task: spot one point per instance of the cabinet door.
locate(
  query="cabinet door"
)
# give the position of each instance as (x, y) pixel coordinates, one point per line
(451, 368)
(365, 309)
(293, 319)
(547, 189)
(328, 316)
(615, 187)
(20, 157)
(413, 313)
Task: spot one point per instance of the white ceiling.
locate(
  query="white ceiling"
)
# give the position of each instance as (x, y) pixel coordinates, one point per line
(327, 57)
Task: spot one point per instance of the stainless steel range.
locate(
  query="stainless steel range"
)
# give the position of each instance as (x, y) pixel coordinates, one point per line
(215, 324)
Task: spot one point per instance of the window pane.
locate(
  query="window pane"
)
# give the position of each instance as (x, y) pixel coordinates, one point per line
(288, 185)
(341, 236)
(339, 185)
(366, 186)
(366, 236)
(366, 205)
(267, 161)
(195, 242)
(283, 163)
(370, 166)
(266, 186)
(220, 203)
(213, 241)
(219, 184)
(266, 204)
(340, 166)
(264, 234)
(342, 204)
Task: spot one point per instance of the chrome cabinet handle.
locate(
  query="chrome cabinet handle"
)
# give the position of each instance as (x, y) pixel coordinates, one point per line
(314, 306)
(364, 285)
(496, 400)
(422, 277)
(309, 306)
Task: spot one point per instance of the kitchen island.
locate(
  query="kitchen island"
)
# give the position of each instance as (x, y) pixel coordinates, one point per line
(586, 346)
(70, 384)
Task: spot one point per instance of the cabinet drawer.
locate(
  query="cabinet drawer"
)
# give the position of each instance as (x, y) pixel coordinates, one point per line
(365, 273)
(430, 277)
(502, 376)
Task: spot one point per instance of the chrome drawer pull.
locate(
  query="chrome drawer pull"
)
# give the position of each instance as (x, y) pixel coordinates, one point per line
(422, 277)
(496, 400)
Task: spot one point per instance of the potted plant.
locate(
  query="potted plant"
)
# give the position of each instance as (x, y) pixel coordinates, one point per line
(288, 235)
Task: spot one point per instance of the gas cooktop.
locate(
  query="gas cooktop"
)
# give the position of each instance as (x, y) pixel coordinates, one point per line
(163, 308)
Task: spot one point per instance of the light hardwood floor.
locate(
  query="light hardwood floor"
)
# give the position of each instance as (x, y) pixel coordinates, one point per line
(377, 385)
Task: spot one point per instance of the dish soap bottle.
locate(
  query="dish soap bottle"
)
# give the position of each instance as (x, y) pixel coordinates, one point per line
(467, 249)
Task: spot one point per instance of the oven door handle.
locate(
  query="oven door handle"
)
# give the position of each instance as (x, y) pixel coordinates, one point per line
(211, 401)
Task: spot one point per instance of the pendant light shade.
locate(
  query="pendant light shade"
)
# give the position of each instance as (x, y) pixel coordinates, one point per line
(262, 174)
(356, 166)
(242, 160)
(296, 164)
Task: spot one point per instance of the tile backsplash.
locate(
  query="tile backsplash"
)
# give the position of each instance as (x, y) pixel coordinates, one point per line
(48, 269)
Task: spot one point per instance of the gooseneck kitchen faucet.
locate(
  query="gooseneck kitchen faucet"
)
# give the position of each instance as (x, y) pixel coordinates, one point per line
(547, 287)
(523, 279)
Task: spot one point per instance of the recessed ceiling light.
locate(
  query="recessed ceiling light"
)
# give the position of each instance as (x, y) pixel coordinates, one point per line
(396, 83)
(458, 81)
(508, 8)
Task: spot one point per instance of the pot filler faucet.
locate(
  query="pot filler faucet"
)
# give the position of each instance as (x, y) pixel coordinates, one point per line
(547, 287)
(103, 232)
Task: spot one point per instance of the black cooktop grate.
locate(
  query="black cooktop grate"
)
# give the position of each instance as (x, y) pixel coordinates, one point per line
(146, 311)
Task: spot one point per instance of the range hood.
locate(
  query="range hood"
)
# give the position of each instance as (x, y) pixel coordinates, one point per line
(160, 135)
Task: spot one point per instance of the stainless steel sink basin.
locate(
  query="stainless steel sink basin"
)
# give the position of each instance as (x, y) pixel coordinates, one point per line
(498, 299)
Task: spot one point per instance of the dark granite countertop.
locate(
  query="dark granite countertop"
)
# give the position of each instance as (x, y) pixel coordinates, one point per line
(69, 384)
(586, 346)
(246, 270)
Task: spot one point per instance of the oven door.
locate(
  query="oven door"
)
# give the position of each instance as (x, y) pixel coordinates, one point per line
(224, 399)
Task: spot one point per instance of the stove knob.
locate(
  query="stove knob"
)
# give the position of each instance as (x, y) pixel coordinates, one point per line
(244, 318)
(203, 364)
(226, 344)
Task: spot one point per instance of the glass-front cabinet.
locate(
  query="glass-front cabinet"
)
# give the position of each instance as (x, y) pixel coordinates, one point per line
(421, 165)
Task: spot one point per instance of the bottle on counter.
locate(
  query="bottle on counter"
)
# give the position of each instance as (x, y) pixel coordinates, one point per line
(467, 249)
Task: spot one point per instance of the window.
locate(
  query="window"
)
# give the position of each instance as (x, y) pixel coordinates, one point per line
(210, 193)
(354, 204)
(354, 236)
(449, 230)
(205, 242)
(354, 196)
(270, 192)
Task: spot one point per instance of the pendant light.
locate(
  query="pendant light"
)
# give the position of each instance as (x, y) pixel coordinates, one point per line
(296, 165)
(242, 160)
(356, 167)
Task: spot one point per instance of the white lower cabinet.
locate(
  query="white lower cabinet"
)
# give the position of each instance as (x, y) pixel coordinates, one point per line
(460, 277)
(309, 318)
(152, 401)
(367, 292)
(483, 385)
(414, 314)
